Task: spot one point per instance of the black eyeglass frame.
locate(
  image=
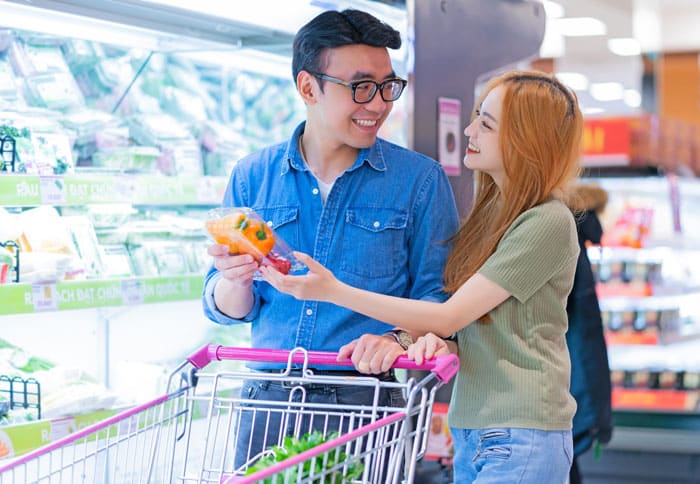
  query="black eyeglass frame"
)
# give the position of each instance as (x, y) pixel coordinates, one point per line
(352, 85)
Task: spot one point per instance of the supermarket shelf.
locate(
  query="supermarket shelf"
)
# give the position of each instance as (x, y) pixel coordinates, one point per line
(69, 295)
(22, 438)
(655, 440)
(29, 190)
(649, 431)
(18, 439)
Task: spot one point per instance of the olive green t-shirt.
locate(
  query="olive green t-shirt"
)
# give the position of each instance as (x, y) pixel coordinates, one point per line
(515, 371)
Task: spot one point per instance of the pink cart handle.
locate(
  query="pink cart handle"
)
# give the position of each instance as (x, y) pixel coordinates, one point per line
(444, 367)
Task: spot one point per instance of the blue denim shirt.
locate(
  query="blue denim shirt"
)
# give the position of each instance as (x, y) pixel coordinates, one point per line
(383, 228)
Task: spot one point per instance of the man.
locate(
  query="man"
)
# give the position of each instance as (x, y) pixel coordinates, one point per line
(376, 214)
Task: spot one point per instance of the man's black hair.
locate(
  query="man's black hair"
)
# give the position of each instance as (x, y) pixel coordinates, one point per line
(335, 29)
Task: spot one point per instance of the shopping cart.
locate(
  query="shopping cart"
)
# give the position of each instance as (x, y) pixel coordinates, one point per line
(189, 434)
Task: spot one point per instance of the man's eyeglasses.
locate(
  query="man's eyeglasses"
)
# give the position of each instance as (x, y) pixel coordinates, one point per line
(364, 91)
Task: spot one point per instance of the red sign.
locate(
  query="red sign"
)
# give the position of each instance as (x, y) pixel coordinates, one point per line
(638, 398)
(606, 141)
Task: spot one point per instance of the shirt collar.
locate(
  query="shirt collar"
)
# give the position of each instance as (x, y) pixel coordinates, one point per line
(373, 156)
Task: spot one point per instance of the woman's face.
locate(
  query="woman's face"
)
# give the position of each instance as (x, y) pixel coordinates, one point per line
(483, 151)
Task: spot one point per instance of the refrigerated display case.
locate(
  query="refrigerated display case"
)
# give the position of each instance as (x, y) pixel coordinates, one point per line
(112, 154)
(648, 282)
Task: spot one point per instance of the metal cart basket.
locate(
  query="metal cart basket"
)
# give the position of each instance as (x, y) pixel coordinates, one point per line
(189, 434)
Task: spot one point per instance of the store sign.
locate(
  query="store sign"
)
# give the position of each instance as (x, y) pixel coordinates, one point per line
(606, 142)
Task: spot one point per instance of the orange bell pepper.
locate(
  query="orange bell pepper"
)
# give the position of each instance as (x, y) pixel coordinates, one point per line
(242, 235)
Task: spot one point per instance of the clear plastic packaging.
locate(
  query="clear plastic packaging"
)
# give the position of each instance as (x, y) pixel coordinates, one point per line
(245, 232)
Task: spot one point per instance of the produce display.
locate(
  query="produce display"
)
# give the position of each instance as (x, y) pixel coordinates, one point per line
(294, 446)
(245, 232)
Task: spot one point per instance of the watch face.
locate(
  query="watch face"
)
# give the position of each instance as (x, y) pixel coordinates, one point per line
(405, 338)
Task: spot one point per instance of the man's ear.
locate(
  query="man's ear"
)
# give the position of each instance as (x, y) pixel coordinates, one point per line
(308, 87)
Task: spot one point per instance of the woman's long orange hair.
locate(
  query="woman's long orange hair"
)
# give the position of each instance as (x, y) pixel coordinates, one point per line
(539, 136)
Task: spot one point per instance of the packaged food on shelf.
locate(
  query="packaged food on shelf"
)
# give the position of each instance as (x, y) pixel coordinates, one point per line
(222, 147)
(81, 53)
(117, 262)
(7, 260)
(245, 232)
(9, 90)
(57, 91)
(43, 230)
(130, 159)
(91, 130)
(109, 215)
(29, 58)
(166, 245)
(85, 240)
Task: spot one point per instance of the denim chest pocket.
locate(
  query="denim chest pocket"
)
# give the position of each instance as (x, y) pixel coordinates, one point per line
(373, 240)
(284, 221)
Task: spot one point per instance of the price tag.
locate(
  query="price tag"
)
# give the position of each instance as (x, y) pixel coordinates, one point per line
(132, 291)
(53, 190)
(44, 297)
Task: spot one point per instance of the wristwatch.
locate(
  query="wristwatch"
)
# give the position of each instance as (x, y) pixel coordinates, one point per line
(403, 338)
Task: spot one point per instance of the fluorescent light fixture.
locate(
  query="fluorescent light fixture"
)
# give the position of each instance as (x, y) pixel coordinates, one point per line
(245, 60)
(580, 26)
(553, 9)
(61, 24)
(607, 91)
(575, 80)
(624, 46)
(632, 98)
(288, 16)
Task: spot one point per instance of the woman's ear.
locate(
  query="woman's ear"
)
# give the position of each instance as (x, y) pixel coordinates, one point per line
(307, 87)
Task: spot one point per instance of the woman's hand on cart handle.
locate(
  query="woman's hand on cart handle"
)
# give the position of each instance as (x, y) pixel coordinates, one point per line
(430, 346)
(444, 367)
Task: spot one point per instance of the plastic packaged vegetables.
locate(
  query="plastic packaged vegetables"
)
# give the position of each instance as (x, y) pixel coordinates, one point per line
(331, 464)
(245, 232)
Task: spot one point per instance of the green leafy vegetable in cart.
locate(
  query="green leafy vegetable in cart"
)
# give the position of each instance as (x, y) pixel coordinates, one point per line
(344, 473)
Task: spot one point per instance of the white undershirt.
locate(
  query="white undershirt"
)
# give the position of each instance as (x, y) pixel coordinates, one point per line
(324, 188)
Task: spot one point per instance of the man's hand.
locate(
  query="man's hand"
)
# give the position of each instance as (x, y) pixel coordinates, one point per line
(237, 269)
(372, 354)
(233, 294)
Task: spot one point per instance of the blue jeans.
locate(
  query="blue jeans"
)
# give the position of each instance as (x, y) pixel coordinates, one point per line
(261, 429)
(511, 455)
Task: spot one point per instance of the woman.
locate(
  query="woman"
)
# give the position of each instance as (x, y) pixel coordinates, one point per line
(511, 269)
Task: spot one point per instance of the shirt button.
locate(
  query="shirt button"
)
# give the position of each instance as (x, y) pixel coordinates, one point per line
(269, 223)
(376, 224)
(309, 312)
(315, 191)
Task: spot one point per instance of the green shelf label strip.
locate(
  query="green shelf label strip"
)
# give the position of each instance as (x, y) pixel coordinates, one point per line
(68, 295)
(29, 190)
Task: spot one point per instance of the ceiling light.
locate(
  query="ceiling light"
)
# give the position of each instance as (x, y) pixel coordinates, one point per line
(66, 25)
(580, 26)
(624, 46)
(575, 80)
(607, 91)
(553, 9)
(632, 98)
(589, 111)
